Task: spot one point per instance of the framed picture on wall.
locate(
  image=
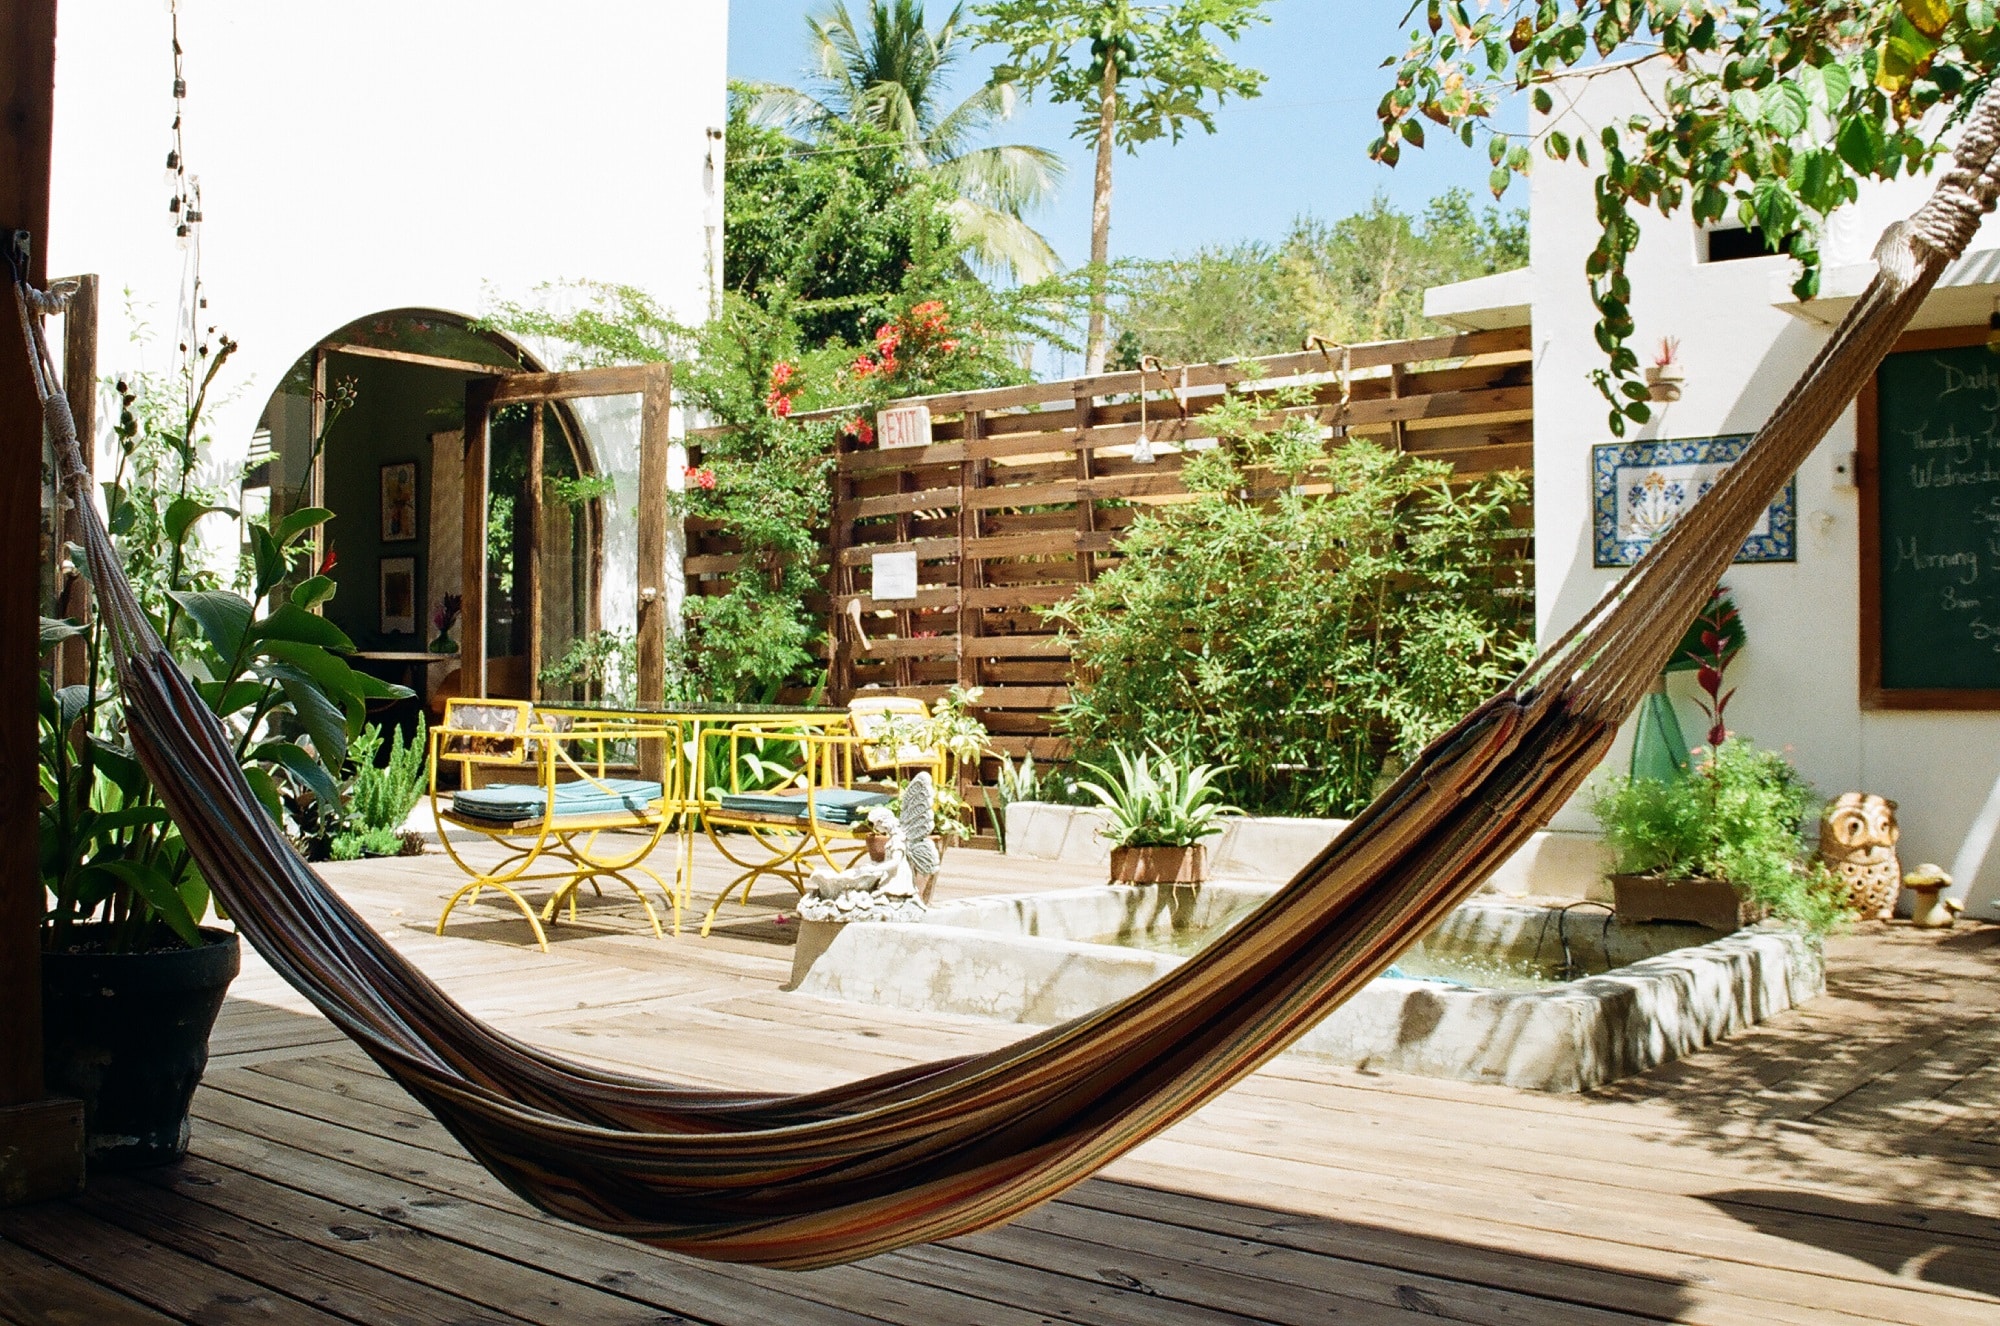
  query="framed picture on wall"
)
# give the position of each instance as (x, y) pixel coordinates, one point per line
(399, 501)
(399, 595)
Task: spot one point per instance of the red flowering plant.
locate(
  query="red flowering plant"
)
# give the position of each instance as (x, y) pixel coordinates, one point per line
(1707, 650)
(915, 353)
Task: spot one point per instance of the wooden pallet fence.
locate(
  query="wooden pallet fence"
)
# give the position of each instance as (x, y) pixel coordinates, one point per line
(1024, 491)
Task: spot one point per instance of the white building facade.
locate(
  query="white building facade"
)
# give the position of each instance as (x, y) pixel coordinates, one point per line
(373, 155)
(1743, 339)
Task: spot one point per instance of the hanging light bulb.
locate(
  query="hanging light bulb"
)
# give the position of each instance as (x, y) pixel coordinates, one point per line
(1142, 453)
(174, 204)
(173, 172)
(181, 239)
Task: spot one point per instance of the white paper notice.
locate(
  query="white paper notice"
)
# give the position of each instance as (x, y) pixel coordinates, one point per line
(904, 426)
(895, 576)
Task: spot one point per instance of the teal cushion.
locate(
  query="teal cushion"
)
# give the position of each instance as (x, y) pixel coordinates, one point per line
(509, 803)
(835, 805)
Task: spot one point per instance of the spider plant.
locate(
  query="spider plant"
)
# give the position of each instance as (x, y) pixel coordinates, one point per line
(1157, 801)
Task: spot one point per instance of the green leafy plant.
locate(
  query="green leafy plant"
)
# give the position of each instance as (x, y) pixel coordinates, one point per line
(950, 727)
(381, 797)
(601, 665)
(1156, 800)
(1741, 815)
(1309, 616)
(581, 490)
(1017, 782)
(1772, 113)
(270, 671)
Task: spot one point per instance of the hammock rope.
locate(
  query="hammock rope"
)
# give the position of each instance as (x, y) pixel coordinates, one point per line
(942, 1149)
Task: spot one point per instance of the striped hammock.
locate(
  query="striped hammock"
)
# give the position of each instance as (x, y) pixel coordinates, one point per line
(942, 1149)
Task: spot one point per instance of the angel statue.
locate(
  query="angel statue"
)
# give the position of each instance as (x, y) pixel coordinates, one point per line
(889, 888)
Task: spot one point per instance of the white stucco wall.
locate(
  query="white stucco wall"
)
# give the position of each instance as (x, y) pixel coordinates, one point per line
(1798, 677)
(377, 154)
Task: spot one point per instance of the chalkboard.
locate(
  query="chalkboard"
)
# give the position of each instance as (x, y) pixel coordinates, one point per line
(1930, 545)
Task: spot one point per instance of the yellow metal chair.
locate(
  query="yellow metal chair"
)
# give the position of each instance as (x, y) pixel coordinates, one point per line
(816, 811)
(574, 823)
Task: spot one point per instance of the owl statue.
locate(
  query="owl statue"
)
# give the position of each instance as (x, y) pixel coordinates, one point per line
(1857, 840)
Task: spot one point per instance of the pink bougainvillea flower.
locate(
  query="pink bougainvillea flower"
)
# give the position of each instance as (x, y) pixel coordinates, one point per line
(782, 373)
(863, 431)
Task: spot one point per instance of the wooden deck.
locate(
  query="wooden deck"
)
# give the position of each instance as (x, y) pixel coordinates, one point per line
(1837, 1165)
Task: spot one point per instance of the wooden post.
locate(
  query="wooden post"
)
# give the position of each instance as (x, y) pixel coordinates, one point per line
(1086, 507)
(970, 475)
(840, 581)
(532, 522)
(472, 636)
(41, 1140)
(653, 446)
(80, 386)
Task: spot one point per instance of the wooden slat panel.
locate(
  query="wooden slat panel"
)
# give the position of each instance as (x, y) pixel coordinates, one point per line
(625, 380)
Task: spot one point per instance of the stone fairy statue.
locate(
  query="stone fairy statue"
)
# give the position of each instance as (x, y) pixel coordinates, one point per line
(1857, 841)
(889, 888)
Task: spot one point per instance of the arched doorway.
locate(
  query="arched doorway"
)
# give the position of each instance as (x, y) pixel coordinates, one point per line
(369, 425)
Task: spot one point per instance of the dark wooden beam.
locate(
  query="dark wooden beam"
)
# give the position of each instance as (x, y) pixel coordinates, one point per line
(80, 386)
(530, 573)
(472, 579)
(41, 1142)
(624, 380)
(653, 446)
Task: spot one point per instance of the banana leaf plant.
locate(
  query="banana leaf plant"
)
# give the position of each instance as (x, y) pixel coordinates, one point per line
(270, 670)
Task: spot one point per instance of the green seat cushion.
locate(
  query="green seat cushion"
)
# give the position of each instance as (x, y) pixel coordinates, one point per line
(834, 805)
(510, 803)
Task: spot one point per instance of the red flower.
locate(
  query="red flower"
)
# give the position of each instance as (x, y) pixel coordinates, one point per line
(782, 406)
(862, 431)
(326, 563)
(781, 374)
(863, 367)
(949, 346)
(887, 337)
(702, 478)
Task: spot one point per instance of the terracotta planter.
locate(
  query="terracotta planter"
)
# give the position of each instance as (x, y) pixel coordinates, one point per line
(1714, 903)
(1159, 865)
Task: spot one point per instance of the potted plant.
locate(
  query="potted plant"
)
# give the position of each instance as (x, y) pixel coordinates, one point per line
(1161, 810)
(1664, 376)
(131, 978)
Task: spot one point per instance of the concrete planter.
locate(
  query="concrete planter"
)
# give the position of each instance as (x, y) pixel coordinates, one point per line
(1714, 903)
(815, 938)
(1159, 865)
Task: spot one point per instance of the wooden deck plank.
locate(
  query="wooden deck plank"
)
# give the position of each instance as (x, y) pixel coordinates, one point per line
(35, 1291)
(1838, 1164)
(182, 1287)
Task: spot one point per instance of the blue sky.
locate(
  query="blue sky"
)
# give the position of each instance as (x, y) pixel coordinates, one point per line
(1301, 147)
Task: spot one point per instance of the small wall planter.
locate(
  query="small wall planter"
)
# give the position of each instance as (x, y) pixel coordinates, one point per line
(1159, 865)
(1664, 382)
(1714, 903)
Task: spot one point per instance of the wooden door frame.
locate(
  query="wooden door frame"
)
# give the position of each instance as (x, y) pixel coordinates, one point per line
(41, 1139)
(653, 384)
(1867, 481)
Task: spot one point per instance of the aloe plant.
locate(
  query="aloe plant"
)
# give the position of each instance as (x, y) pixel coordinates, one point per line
(1157, 801)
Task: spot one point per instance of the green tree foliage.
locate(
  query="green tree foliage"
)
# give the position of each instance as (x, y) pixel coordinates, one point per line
(1358, 279)
(1773, 112)
(1137, 72)
(1309, 619)
(880, 84)
(831, 237)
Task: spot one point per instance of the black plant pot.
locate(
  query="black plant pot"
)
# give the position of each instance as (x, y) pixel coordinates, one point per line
(127, 1034)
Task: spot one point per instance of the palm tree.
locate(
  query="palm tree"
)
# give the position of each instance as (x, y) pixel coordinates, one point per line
(888, 73)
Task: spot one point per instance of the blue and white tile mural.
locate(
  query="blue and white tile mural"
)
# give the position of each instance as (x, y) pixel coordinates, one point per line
(1638, 489)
